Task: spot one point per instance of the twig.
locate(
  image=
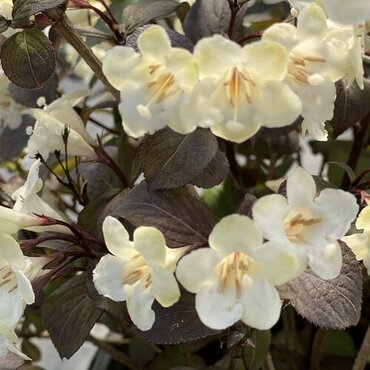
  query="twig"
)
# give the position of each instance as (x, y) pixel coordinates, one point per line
(364, 352)
(64, 26)
(117, 355)
(316, 349)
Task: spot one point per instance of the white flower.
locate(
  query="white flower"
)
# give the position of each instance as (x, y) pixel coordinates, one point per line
(12, 221)
(9, 341)
(28, 202)
(342, 11)
(311, 223)
(138, 271)
(16, 274)
(360, 242)
(10, 111)
(52, 121)
(240, 88)
(234, 279)
(153, 85)
(319, 55)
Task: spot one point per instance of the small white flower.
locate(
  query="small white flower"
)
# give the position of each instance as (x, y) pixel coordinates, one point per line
(138, 271)
(234, 279)
(311, 223)
(12, 221)
(240, 88)
(16, 274)
(319, 55)
(9, 341)
(153, 84)
(342, 11)
(52, 121)
(360, 242)
(10, 111)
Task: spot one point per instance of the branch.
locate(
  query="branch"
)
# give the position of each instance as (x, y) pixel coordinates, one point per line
(65, 27)
(363, 353)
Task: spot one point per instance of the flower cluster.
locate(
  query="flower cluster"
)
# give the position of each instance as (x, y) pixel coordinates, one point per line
(235, 90)
(236, 277)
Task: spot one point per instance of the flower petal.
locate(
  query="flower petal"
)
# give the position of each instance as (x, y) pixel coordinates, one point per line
(117, 238)
(164, 286)
(301, 190)
(278, 262)
(338, 209)
(11, 251)
(311, 22)
(325, 262)
(25, 287)
(214, 55)
(269, 213)
(107, 277)
(268, 61)
(363, 219)
(277, 105)
(196, 269)
(235, 233)
(360, 244)
(118, 63)
(154, 43)
(218, 310)
(151, 244)
(261, 303)
(139, 305)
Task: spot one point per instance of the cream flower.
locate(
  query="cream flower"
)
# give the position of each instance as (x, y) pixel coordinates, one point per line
(311, 223)
(153, 85)
(10, 111)
(138, 271)
(234, 279)
(12, 221)
(240, 88)
(16, 274)
(52, 121)
(342, 11)
(9, 341)
(360, 242)
(319, 55)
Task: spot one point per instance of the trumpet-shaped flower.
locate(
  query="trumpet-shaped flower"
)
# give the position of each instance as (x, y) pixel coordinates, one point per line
(319, 55)
(240, 88)
(234, 279)
(360, 242)
(10, 111)
(310, 223)
(12, 221)
(153, 84)
(16, 274)
(51, 123)
(138, 271)
(342, 11)
(9, 341)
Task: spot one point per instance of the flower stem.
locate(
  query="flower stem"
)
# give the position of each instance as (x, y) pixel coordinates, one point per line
(64, 26)
(363, 353)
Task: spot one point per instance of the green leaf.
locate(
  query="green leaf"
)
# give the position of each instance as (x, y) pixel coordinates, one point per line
(208, 17)
(145, 11)
(4, 24)
(178, 213)
(31, 350)
(28, 58)
(339, 343)
(69, 314)
(178, 323)
(29, 97)
(23, 9)
(330, 304)
(171, 160)
(13, 141)
(351, 106)
(216, 171)
(255, 354)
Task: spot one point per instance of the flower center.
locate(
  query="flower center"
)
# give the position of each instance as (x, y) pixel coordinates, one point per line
(232, 269)
(297, 225)
(297, 69)
(161, 86)
(238, 87)
(8, 278)
(136, 270)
